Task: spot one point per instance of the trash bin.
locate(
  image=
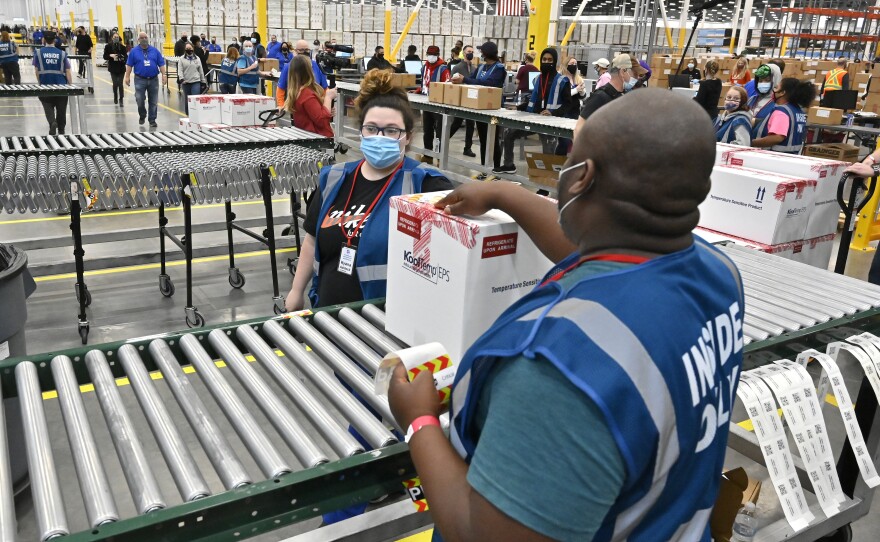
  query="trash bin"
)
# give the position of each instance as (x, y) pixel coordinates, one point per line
(16, 284)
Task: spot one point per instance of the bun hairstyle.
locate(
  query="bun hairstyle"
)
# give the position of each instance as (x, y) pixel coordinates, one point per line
(798, 92)
(378, 90)
(712, 67)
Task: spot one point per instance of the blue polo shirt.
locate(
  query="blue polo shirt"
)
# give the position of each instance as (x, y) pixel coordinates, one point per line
(145, 64)
(214, 48)
(320, 78)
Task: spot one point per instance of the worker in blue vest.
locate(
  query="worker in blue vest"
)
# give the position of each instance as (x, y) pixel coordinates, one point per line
(550, 97)
(53, 68)
(147, 63)
(248, 69)
(37, 37)
(597, 406)
(786, 127)
(734, 125)
(228, 78)
(9, 59)
(435, 70)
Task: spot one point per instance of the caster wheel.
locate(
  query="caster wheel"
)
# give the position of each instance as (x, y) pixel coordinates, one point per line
(200, 321)
(166, 287)
(291, 265)
(286, 231)
(278, 310)
(84, 334)
(236, 279)
(88, 300)
(91, 90)
(844, 534)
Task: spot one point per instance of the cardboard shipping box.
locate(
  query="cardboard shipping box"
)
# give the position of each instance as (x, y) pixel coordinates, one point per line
(459, 273)
(825, 115)
(184, 125)
(404, 80)
(436, 91)
(823, 173)
(237, 110)
(544, 168)
(768, 208)
(452, 94)
(724, 88)
(833, 151)
(735, 491)
(268, 64)
(872, 103)
(205, 109)
(216, 58)
(476, 97)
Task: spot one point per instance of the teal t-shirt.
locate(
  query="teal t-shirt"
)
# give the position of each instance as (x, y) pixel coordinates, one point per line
(545, 456)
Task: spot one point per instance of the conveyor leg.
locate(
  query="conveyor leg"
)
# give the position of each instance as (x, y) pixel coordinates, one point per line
(269, 234)
(78, 253)
(166, 287)
(236, 279)
(193, 317)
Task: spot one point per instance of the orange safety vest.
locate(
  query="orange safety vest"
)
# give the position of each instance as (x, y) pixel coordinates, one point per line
(834, 80)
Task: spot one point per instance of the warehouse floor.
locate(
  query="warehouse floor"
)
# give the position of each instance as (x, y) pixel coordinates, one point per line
(124, 292)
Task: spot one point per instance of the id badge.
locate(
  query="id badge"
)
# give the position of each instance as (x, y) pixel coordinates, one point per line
(346, 259)
(146, 62)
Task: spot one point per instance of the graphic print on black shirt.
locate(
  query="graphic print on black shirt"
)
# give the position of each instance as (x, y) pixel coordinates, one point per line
(335, 287)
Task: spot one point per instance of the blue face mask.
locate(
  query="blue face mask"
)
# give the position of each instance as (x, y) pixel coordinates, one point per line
(630, 84)
(764, 88)
(380, 152)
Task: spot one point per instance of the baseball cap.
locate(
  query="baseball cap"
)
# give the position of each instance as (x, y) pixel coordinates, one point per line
(433, 50)
(625, 62)
(602, 63)
(490, 49)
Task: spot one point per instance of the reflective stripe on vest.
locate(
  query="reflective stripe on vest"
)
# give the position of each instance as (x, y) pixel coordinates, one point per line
(728, 127)
(553, 101)
(797, 130)
(52, 75)
(8, 51)
(834, 80)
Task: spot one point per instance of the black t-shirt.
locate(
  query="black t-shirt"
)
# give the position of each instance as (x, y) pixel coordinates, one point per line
(709, 95)
(335, 287)
(604, 95)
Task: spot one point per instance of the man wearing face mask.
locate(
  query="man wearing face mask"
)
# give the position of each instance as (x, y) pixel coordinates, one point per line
(465, 68)
(274, 46)
(180, 45)
(601, 67)
(624, 75)
(550, 97)
(378, 61)
(301, 48)
(191, 75)
(248, 70)
(434, 71)
(605, 339)
(147, 63)
(214, 47)
(116, 55)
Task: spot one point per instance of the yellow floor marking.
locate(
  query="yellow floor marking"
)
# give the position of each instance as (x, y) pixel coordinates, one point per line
(148, 266)
(747, 424)
(96, 214)
(130, 91)
(155, 375)
(424, 536)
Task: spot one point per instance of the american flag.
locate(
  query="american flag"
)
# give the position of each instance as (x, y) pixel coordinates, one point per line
(509, 7)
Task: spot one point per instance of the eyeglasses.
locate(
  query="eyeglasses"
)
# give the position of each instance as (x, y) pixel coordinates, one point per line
(370, 130)
(303, 51)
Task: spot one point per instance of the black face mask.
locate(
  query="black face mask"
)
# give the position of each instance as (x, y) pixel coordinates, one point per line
(285, 51)
(380, 55)
(547, 68)
(572, 69)
(189, 51)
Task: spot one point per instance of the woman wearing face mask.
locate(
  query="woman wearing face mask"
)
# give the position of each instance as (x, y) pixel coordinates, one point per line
(116, 55)
(191, 75)
(710, 90)
(551, 97)
(346, 224)
(247, 67)
(691, 70)
(304, 99)
(575, 80)
(734, 125)
(786, 127)
(282, 54)
(741, 74)
(761, 104)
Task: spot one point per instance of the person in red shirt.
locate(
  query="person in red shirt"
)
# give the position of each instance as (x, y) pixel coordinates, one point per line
(435, 70)
(309, 105)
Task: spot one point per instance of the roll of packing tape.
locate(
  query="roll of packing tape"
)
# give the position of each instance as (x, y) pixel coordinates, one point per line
(431, 357)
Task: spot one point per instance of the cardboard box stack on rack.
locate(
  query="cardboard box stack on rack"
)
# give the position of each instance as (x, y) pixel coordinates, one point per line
(469, 96)
(777, 203)
(221, 111)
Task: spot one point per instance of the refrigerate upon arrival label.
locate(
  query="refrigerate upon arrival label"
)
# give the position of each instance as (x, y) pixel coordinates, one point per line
(409, 225)
(499, 245)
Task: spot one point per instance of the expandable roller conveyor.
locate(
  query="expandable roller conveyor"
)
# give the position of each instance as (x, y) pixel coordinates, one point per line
(34, 90)
(42, 183)
(307, 409)
(157, 141)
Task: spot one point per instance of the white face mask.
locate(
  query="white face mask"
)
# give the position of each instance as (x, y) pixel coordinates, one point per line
(569, 202)
(432, 58)
(690, 66)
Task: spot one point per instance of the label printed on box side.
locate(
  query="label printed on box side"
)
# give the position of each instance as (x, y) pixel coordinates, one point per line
(499, 245)
(409, 225)
(473, 93)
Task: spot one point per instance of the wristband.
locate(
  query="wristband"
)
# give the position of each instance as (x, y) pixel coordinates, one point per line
(871, 158)
(418, 424)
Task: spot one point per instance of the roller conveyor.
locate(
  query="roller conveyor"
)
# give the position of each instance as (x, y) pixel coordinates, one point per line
(37, 91)
(295, 463)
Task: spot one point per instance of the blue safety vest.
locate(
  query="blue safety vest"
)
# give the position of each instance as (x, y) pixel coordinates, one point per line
(228, 72)
(252, 78)
(762, 116)
(725, 131)
(554, 94)
(371, 260)
(435, 76)
(797, 129)
(8, 52)
(664, 378)
(51, 61)
(484, 72)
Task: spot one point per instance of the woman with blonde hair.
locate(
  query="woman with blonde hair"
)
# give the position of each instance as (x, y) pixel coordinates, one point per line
(305, 100)
(574, 77)
(741, 73)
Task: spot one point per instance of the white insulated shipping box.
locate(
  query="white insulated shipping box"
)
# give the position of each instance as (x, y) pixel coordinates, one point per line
(237, 110)
(823, 216)
(767, 208)
(450, 277)
(205, 109)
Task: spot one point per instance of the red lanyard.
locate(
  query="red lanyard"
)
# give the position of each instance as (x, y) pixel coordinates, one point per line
(544, 82)
(620, 258)
(357, 172)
